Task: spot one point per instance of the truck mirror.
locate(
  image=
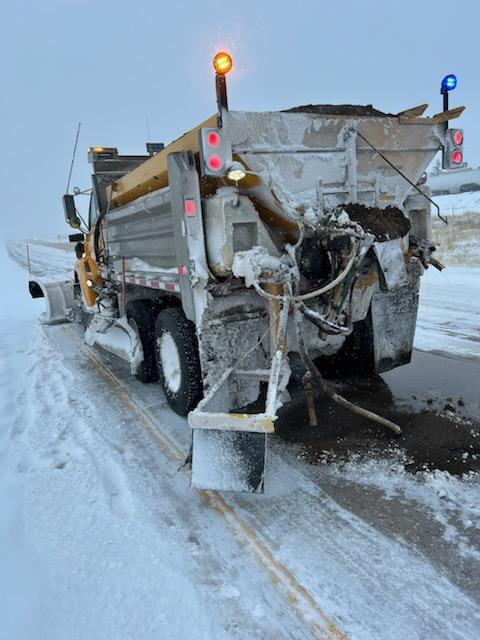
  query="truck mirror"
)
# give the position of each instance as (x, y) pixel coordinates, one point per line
(76, 237)
(70, 211)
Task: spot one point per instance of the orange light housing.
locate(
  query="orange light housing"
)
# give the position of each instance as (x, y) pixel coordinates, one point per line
(222, 63)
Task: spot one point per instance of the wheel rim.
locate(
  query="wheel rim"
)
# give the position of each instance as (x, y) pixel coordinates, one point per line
(170, 360)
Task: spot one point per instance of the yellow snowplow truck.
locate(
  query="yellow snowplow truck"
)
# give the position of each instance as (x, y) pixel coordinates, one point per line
(254, 240)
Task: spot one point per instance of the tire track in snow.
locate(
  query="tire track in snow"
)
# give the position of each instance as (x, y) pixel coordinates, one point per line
(14, 408)
(299, 599)
(50, 388)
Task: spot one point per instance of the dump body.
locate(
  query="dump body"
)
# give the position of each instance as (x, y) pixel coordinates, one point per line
(293, 152)
(297, 159)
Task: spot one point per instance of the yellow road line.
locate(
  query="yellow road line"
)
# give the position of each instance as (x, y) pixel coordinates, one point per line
(168, 447)
(299, 599)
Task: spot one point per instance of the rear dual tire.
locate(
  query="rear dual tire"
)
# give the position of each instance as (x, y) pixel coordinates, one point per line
(178, 364)
(170, 353)
(141, 318)
(356, 357)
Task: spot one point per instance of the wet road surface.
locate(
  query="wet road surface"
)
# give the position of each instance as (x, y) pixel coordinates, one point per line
(434, 399)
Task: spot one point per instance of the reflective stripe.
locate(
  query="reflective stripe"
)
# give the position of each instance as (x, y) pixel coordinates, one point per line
(150, 283)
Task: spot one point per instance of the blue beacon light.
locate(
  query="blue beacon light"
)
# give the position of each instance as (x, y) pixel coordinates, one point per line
(449, 83)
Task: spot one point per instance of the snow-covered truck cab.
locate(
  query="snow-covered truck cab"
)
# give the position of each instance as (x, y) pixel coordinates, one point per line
(252, 240)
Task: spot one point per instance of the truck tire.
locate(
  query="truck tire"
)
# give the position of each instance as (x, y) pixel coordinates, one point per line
(178, 363)
(141, 317)
(356, 356)
(357, 353)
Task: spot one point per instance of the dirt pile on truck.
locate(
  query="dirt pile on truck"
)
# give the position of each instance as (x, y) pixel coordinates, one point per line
(385, 224)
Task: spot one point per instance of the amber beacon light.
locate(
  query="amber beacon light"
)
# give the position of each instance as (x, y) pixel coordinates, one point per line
(222, 63)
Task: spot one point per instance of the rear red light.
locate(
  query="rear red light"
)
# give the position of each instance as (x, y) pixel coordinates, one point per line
(457, 157)
(458, 137)
(190, 208)
(215, 151)
(215, 163)
(213, 139)
(182, 270)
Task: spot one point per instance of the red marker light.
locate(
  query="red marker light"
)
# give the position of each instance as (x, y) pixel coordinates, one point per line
(457, 157)
(458, 137)
(190, 208)
(215, 163)
(182, 270)
(213, 139)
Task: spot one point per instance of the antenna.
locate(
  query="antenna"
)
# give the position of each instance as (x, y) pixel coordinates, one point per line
(73, 156)
(147, 122)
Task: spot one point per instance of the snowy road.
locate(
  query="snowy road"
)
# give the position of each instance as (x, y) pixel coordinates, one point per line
(102, 537)
(449, 314)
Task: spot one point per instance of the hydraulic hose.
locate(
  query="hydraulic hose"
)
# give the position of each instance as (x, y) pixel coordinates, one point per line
(318, 292)
(327, 390)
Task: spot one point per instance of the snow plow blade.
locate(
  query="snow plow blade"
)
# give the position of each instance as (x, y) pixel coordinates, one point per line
(58, 296)
(228, 460)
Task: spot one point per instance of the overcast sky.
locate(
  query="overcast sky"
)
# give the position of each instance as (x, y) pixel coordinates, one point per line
(142, 69)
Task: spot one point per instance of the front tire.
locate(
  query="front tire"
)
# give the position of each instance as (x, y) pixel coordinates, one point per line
(178, 363)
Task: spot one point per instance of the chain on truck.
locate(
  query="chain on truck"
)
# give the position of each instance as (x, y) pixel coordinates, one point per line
(254, 243)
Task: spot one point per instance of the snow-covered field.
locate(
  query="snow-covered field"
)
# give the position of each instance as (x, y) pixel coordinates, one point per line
(101, 536)
(45, 262)
(459, 203)
(458, 241)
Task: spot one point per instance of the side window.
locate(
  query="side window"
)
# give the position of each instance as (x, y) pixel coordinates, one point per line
(92, 211)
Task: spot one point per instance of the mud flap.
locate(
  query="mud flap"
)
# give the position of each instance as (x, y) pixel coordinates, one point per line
(229, 449)
(228, 460)
(394, 315)
(58, 297)
(35, 289)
